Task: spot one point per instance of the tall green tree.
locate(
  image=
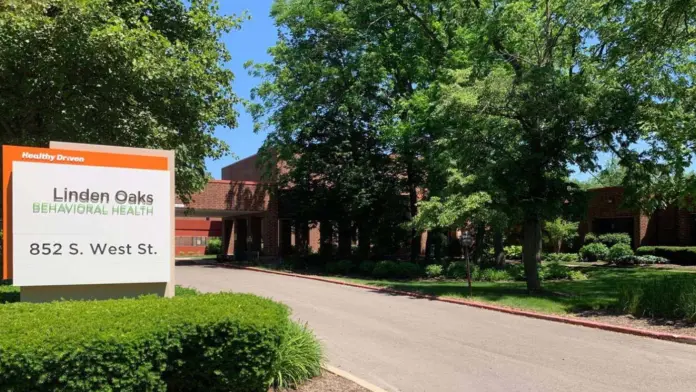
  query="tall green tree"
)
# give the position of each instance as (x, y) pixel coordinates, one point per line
(146, 73)
(613, 174)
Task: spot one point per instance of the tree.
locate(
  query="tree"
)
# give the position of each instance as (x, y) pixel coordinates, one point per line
(558, 231)
(611, 175)
(129, 73)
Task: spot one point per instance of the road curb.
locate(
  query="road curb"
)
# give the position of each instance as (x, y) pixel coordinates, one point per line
(480, 305)
(344, 374)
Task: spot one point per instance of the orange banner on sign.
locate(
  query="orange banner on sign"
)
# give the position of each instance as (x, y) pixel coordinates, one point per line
(60, 157)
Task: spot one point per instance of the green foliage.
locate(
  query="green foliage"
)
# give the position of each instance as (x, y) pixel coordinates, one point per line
(576, 275)
(456, 270)
(385, 269)
(639, 260)
(619, 250)
(559, 231)
(214, 246)
(300, 357)
(130, 73)
(491, 275)
(669, 297)
(8, 293)
(612, 239)
(594, 251)
(407, 270)
(218, 342)
(561, 257)
(434, 271)
(516, 271)
(181, 291)
(612, 174)
(513, 252)
(591, 238)
(341, 267)
(685, 255)
(367, 267)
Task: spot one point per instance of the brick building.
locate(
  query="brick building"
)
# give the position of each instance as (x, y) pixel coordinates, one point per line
(606, 214)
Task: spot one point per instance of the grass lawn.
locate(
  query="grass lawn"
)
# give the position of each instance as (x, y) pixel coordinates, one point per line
(599, 292)
(200, 257)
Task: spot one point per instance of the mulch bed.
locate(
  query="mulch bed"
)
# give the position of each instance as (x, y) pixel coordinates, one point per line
(329, 382)
(678, 327)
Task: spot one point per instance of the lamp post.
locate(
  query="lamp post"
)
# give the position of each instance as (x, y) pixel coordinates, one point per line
(467, 240)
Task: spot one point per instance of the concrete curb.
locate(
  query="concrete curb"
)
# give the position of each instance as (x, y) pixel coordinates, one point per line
(480, 305)
(343, 374)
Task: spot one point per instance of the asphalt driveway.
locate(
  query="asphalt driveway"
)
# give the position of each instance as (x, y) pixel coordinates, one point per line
(407, 344)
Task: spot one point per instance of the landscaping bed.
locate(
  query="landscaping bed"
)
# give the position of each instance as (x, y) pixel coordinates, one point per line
(329, 382)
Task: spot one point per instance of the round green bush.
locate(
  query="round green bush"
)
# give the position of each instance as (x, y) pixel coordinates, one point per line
(210, 342)
(385, 269)
(341, 267)
(513, 252)
(366, 267)
(593, 252)
(434, 271)
(457, 270)
(590, 238)
(407, 270)
(214, 246)
(612, 239)
(619, 250)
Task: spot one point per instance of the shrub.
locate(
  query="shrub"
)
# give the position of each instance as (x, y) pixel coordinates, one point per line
(211, 342)
(639, 260)
(590, 238)
(8, 293)
(516, 271)
(612, 239)
(457, 270)
(341, 267)
(433, 271)
(299, 356)
(214, 246)
(493, 275)
(181, 291)
(593, 252)
(384, 269)
(553, 271)
(366, 267)
(407, 270)
(668, 296)
(619, 250)
(513, 252)
(675, 254)
(561, 257)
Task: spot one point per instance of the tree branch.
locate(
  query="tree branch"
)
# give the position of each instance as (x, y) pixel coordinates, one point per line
(422, 23)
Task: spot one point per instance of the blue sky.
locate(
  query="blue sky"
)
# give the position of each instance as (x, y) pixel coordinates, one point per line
(249, 43)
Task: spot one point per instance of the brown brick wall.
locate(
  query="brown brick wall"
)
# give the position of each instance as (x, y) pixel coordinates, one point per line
(243, 170)
(232, 196)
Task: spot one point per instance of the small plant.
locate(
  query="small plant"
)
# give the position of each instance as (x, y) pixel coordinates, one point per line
(516, 271)
(341, 267)
(384, 269)
(181, 291)
(407, 270)
(513, 252)
(214, 246)
(299, 357)
(593, 252)
(612, 239)
(619, 250)
(493, 275)
(457, 270)
(366, 267)
(639, 260)
(554, 271)
(576, 275)
(434, 271)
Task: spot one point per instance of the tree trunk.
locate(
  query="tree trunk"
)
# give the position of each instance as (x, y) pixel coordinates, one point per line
(531, 252)
(413, 211)
(345, 239)
(560, 245)
(364, 240)
(479, 239)
(498, 248)
(326, 239)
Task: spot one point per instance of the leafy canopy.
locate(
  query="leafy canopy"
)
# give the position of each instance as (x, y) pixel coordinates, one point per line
(143, 73)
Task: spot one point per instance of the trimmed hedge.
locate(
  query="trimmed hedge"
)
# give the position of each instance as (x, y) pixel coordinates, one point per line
(676, 254)
(594, 251)
(672, 297)
(211, 342)
(619, 250)
(341, 267)
(611, 239)
(561, 257)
